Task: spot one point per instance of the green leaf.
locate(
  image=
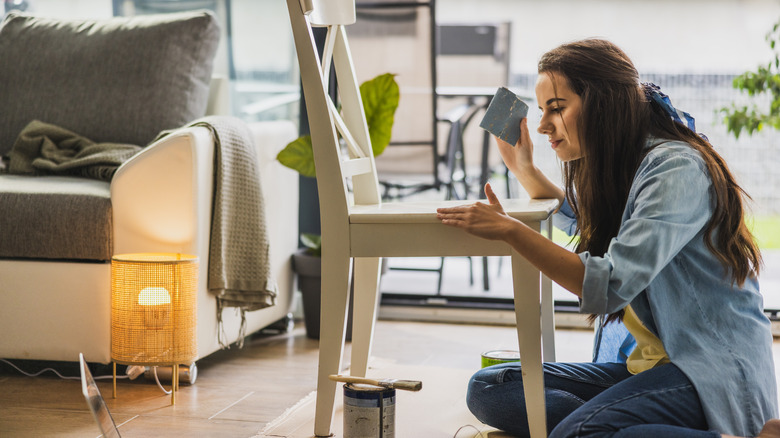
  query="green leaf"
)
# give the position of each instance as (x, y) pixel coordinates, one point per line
(380, 100)
(764, 80)
(299, 155)
(313, 242)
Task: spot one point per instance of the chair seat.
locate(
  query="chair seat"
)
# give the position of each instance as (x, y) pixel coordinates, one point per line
(411, 229)
(422, 212)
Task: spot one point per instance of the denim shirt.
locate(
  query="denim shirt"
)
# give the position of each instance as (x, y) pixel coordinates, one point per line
(714, 330)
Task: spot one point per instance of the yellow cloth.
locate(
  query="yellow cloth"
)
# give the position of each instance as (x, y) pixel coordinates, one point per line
(649, 351)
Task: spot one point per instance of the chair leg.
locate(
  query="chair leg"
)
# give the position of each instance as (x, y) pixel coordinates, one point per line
(335, 294)
(548, 321)
(526, 281)
(440, 271)
(471, 271)
(485, 275)
(548, 311)
(365, 304)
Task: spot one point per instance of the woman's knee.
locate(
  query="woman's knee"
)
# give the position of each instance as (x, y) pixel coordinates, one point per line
(489, 387)
(495, 395)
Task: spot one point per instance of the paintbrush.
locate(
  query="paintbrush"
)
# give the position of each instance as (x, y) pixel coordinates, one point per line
(406, 385)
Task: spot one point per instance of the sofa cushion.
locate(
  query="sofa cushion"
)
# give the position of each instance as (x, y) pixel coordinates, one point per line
(55, 217)
(120, 80)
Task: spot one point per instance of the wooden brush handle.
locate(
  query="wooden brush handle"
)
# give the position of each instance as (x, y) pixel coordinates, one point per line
(350, 379)
(407, 385)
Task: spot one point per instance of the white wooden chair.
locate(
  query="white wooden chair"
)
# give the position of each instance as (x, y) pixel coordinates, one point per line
(357, 226)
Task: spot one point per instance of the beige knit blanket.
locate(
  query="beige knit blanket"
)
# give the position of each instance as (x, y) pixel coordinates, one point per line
(239, 271)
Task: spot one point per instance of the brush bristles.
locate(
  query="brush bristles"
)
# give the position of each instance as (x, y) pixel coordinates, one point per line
(407, 385)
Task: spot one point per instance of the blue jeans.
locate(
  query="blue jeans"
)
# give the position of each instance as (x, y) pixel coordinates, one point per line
(592, 400)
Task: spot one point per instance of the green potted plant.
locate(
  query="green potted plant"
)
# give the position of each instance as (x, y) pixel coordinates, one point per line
(763, 81)
(307, 265)
(380, 97)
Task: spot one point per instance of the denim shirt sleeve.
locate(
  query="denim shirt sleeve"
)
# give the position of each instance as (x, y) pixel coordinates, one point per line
(564, 218)
(668, 205)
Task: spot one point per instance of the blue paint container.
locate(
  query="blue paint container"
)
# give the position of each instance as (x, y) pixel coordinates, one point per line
(369, 411)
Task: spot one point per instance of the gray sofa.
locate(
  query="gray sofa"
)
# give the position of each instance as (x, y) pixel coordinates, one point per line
(119, 81)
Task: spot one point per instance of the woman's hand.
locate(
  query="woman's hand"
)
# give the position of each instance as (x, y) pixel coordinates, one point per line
(488, 221)
(519, 157)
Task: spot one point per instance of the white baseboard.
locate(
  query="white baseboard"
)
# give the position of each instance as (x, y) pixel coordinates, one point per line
(472, 316)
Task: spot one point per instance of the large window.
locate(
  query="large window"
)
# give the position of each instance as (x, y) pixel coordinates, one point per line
(692, 49)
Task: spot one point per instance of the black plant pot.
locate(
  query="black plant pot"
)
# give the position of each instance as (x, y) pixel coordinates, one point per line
(309, 270)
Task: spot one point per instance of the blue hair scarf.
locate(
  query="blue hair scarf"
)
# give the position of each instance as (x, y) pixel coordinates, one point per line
(653, 91)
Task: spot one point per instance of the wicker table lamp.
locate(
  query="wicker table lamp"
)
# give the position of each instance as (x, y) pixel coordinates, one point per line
(154, 311)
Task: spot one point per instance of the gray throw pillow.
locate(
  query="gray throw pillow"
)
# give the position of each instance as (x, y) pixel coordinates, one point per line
(120, 80)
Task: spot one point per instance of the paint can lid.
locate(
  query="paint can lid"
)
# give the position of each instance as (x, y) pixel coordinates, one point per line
(495, 357)
(502, 354)
(363, 391)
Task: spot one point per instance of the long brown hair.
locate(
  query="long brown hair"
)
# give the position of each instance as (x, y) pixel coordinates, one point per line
(613, 127)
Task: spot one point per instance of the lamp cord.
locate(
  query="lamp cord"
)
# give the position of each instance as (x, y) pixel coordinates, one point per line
(466, 426)
(156, 379)
(57, 373)
(78, 377)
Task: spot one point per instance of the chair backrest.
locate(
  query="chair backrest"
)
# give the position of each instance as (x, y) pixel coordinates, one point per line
(335, 167)
(391, 36)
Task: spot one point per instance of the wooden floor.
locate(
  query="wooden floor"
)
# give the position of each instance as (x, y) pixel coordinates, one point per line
(237, 392)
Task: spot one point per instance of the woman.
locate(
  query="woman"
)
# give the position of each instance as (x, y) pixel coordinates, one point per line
(663, 246)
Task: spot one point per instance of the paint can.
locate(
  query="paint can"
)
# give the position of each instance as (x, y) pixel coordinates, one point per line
(496, 357)
(369, 411)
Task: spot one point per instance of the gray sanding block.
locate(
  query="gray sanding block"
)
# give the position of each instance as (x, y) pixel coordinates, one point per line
(503, 116)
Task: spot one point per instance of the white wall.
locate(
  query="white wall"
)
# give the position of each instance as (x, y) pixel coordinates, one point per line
(718, 36)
